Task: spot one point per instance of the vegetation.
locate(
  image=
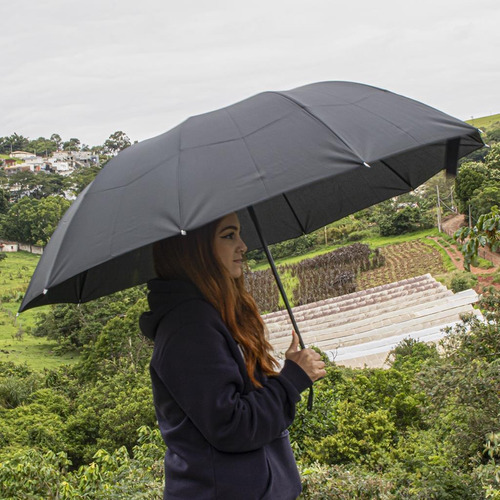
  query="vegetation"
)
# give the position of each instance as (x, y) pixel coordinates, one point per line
(427, 427)
(485, 232)
(44, 147)
(76, 413)
(16, 342)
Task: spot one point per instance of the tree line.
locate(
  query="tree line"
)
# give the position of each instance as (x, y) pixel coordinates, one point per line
(45, 147)
(475, 190)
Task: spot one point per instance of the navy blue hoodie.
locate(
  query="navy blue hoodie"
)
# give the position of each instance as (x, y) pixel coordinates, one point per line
(225, 439)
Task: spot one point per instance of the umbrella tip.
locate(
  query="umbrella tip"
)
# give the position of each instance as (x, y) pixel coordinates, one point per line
(183, 232)
(367, 164)
(45, 290)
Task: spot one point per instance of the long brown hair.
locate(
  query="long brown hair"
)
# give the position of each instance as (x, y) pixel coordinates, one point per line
(192, 257)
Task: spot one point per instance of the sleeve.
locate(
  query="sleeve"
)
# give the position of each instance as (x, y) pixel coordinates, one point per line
(197, 367)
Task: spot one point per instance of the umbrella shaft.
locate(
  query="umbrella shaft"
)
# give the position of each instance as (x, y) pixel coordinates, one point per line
(270, 259)
(256, 223)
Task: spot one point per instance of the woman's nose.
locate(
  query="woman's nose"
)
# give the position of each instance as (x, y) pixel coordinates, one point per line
(242, 247)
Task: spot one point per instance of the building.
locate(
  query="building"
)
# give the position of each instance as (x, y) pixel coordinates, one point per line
(21, 155)
(8, 246)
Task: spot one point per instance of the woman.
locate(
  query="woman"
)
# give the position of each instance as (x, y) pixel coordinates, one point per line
(222, 408)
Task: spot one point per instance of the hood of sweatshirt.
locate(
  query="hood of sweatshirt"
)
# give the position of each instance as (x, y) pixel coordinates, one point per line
(163, 297)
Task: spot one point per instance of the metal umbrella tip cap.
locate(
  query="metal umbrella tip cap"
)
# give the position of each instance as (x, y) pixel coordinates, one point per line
(367, 164)
(183, 232)
(45, 290)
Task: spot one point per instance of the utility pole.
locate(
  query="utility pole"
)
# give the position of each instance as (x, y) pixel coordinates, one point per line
(470, 217)
(438, 209)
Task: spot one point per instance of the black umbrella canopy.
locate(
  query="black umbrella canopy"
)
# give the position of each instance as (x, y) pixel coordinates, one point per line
(302, 158)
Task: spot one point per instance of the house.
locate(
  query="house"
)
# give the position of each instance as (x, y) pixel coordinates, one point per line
(21, 155)
(10, 162)
(8, 246)
(75, 158)
(61, 167)
(35, 163)
(21, 167)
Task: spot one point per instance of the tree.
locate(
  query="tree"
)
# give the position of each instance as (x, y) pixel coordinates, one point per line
(33, 221)
(80, 178)
(117, 142)
(4, 202)
(72, 145)
(74, 326)
(473, 177)
(484, 199)
(48, 185)
(470, 177)
(492, 159)
(405, 220)
(56, 139)
(21, 184)
(15, 142)
(42, 146)
(485, 232)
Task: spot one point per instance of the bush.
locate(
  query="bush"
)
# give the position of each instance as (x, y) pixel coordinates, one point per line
(461, 281)
(359, 235)
(321, 482)
(405, 220)
(33, 474)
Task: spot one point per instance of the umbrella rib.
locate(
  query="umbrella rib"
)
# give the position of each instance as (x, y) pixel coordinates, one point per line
(294, 213)
(395, 172)
(243, 139)
(312, 115)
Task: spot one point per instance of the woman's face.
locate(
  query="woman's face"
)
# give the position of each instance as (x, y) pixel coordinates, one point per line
(228, 245)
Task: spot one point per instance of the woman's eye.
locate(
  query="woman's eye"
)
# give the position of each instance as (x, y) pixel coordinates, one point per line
(229, 236)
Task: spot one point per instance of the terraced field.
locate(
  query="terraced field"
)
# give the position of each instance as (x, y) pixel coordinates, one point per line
(403, 261)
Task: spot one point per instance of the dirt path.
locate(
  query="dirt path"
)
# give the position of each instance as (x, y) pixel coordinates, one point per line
(458, 259)
(453, 223)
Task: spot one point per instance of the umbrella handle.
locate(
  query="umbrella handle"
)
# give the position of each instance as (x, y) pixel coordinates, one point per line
(270, 259)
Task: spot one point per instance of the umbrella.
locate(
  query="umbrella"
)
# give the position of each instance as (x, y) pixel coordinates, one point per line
(292, 160)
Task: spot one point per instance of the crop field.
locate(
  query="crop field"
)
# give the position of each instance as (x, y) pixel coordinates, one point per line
(402, 261)
(16, 344)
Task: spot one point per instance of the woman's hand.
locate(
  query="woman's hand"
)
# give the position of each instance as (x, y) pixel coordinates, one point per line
(307, 359)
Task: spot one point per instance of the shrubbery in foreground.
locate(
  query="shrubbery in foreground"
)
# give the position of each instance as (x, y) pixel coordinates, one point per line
(427, 428)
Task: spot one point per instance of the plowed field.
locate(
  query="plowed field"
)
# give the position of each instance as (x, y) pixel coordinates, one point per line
(404, 260)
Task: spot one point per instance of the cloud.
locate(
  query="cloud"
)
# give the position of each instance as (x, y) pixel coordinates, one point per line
(86, 69)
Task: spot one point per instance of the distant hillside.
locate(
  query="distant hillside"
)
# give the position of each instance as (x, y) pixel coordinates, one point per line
(485, 121)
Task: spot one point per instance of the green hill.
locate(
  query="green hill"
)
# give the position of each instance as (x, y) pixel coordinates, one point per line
(485, 121)
(16, 344)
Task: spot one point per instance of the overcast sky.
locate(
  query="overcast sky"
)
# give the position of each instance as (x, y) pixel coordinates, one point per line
(87, 68)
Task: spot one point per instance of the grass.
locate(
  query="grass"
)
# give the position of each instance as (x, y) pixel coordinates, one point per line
(293, 260)
(447, 262)
(484, 121)
(7, 157)
(484, 263)
(16, 343)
